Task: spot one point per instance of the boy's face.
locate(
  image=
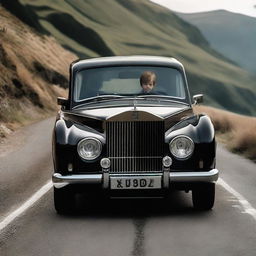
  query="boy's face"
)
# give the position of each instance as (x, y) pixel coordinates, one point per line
(148, 86)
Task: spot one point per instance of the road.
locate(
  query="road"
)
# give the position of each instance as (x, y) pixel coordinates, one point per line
(152, 227)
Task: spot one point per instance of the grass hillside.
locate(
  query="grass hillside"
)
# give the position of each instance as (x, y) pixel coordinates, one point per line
(33, 71)
(121, 27)
(237, 132)
(233, 34)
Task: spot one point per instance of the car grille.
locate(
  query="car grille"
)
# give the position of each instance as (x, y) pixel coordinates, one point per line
(135, 146)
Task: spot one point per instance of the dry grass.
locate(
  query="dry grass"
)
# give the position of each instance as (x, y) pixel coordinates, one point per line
(236, 131)
(33, 71)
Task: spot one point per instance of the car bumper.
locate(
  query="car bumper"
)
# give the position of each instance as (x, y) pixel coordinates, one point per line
(60, 181)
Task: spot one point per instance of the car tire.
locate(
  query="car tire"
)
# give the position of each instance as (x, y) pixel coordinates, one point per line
(203, 196)
(64, 200)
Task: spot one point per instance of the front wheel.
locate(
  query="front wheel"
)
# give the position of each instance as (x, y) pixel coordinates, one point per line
(203, 196)
(64, 200)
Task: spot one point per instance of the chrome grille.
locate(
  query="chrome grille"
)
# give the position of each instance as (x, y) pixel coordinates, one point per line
(135, 146)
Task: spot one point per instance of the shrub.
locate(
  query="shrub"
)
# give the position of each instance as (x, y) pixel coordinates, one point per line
(237, 132)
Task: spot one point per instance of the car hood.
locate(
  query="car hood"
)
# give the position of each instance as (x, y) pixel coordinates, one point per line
(96, 117)
(106, 113)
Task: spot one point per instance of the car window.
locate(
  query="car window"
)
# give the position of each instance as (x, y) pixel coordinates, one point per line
(126, 81)
(121, 86)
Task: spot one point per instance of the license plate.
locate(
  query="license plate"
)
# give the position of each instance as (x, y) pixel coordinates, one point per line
(142, 182)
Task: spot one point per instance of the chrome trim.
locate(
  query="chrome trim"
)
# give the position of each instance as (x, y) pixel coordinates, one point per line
(186, 137)
(210, 176)
(62, 181)
(136, 174)
(164, 161)
(106, 178)
(103, 165)
(174, 176)
(166, 175)
(129, 116)
(122, 139)
(85, 139)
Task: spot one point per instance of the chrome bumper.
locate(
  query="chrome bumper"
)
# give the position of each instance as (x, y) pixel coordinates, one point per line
(61, 181)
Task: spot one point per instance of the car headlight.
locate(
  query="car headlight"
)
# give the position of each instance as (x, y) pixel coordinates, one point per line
(89, 148)
(182, 147)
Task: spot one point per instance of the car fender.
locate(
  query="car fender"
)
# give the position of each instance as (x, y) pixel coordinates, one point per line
(70, 133)
(198, 127)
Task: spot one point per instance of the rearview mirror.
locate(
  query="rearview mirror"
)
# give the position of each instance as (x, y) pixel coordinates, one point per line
(198, 98)
(62, 101)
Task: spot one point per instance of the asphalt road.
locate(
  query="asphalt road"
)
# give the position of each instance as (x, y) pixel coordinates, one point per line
(152, 227)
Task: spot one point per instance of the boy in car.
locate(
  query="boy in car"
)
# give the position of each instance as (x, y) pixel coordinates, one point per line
(147, 82)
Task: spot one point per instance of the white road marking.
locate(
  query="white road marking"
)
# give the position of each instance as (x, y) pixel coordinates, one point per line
(43, 190)
(11, 217)
(247, 207)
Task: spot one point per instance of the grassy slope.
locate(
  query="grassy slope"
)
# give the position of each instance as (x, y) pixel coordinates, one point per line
(33, 71)
(238, 138)
(229, 33)
(141, 27)
(122, 27)
(30, 64)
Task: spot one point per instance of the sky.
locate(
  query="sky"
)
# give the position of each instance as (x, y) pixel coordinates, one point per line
(246, 7)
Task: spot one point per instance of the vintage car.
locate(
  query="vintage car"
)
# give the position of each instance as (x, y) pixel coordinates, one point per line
(112, 140)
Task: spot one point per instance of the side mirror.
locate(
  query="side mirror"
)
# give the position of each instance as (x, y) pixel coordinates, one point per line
(62, 101)
(198, 98)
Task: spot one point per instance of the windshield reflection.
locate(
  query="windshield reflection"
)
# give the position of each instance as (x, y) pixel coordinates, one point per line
(141, 81)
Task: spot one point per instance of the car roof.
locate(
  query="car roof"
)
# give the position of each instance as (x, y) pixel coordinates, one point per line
(127, 60)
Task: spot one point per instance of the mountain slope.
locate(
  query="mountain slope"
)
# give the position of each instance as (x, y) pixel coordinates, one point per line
(33, 72)
(232, 34)
(121, 27)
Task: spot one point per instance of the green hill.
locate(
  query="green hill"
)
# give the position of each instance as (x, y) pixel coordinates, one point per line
(120, 27)
(233, 34)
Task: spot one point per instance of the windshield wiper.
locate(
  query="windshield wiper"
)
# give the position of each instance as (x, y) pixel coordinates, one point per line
(97, 99)
(165, 97)
(102, 97)
(153, 96)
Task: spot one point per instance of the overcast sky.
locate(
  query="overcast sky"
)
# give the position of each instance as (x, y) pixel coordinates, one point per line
(246, 7)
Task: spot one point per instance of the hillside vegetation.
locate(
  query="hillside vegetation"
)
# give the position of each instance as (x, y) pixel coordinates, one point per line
(233, 34)
(33, 71)
(121, 27)
(236, 131)
(34, 67)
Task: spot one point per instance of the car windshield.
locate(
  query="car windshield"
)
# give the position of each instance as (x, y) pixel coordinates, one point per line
(126, 81)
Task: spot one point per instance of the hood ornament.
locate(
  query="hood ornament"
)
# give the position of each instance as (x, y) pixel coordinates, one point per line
(135, 114)
(134, 104)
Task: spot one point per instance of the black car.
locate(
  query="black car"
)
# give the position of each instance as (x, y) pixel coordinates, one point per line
(113, 139)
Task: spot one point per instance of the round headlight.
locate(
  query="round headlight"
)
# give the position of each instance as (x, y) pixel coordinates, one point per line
(89, 148)
(105, 163)
(181, 147)
(167, 161)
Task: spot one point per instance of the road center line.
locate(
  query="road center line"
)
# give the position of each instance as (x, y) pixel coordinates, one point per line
(41, 192)
(243, 202)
